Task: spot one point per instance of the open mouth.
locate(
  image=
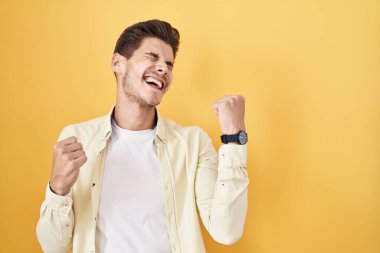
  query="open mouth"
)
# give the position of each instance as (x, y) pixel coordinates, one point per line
(154, 82)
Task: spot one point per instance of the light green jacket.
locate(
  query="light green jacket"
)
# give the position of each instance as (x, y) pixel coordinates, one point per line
(193, 178)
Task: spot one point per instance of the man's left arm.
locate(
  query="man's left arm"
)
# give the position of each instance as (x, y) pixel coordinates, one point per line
(221, 182)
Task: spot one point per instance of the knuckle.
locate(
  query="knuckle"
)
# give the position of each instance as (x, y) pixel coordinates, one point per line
(75, 146)
(240, 97)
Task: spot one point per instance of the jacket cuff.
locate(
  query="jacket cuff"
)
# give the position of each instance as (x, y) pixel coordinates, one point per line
(233, 155)
(57, 201)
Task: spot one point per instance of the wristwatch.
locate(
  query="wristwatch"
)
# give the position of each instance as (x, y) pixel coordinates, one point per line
(241, 138)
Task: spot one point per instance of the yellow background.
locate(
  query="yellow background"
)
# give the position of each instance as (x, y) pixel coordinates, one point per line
(309, 71)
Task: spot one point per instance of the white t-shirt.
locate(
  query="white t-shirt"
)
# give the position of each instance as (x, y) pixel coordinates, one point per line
(131, 214)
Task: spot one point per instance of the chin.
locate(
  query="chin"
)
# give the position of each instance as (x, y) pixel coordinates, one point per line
(152, 102)
(155, 103)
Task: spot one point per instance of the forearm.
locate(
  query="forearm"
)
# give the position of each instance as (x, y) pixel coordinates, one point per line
(223, 207)
(55, 226)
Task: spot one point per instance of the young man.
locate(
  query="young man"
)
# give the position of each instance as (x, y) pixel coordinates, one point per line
(132, 181)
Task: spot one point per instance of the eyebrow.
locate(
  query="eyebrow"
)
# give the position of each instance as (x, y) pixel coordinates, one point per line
(156, 56)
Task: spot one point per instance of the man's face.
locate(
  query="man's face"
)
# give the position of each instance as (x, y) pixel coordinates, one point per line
(147, 74)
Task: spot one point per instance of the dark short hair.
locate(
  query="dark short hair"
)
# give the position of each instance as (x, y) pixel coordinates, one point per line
(131, 38)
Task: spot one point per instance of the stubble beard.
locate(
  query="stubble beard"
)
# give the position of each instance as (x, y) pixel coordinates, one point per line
(133, 95)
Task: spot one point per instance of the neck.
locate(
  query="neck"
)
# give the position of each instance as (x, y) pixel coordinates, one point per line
(133, 116)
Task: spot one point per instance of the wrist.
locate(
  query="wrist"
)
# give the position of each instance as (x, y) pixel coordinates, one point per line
(57, 190)
(240, 138)
(233, 130)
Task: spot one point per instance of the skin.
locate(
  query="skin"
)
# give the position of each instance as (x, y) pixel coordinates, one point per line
(135, 106)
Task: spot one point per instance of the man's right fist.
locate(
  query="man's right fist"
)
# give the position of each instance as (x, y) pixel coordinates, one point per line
(68, 157)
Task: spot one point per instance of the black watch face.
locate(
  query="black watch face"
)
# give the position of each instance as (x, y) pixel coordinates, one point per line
(243, 137)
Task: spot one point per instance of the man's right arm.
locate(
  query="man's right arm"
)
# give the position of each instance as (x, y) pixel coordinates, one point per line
(55, 226)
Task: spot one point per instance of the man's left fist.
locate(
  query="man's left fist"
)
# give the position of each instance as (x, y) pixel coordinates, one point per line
(230, 110)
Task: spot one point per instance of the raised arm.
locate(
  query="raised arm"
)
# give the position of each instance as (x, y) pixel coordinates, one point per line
(55, 226)
(221, 181)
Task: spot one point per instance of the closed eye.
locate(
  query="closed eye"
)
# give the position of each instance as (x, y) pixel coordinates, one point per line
(170, 65)
(156, 57)
(153, 55)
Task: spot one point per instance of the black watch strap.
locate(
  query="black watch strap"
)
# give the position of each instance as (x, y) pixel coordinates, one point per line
(240, 138)
(227, 138)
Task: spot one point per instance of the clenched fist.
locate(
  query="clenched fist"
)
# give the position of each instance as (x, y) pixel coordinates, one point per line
(230, 110)
(68, 157)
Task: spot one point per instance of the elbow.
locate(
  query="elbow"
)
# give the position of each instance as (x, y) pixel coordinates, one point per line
(48, 239)
(228, 237)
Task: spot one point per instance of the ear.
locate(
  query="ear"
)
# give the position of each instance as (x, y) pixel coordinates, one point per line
(118, 63)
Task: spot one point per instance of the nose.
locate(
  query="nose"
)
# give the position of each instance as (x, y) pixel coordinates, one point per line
(161, 67)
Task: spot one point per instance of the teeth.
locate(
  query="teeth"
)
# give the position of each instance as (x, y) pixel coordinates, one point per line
(152, 80)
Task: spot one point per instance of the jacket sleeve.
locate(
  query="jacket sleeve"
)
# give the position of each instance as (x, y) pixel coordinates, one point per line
(221, 190)
(55, 226)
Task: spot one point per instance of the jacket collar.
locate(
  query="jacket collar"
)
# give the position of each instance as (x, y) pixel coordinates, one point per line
(160, 131)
